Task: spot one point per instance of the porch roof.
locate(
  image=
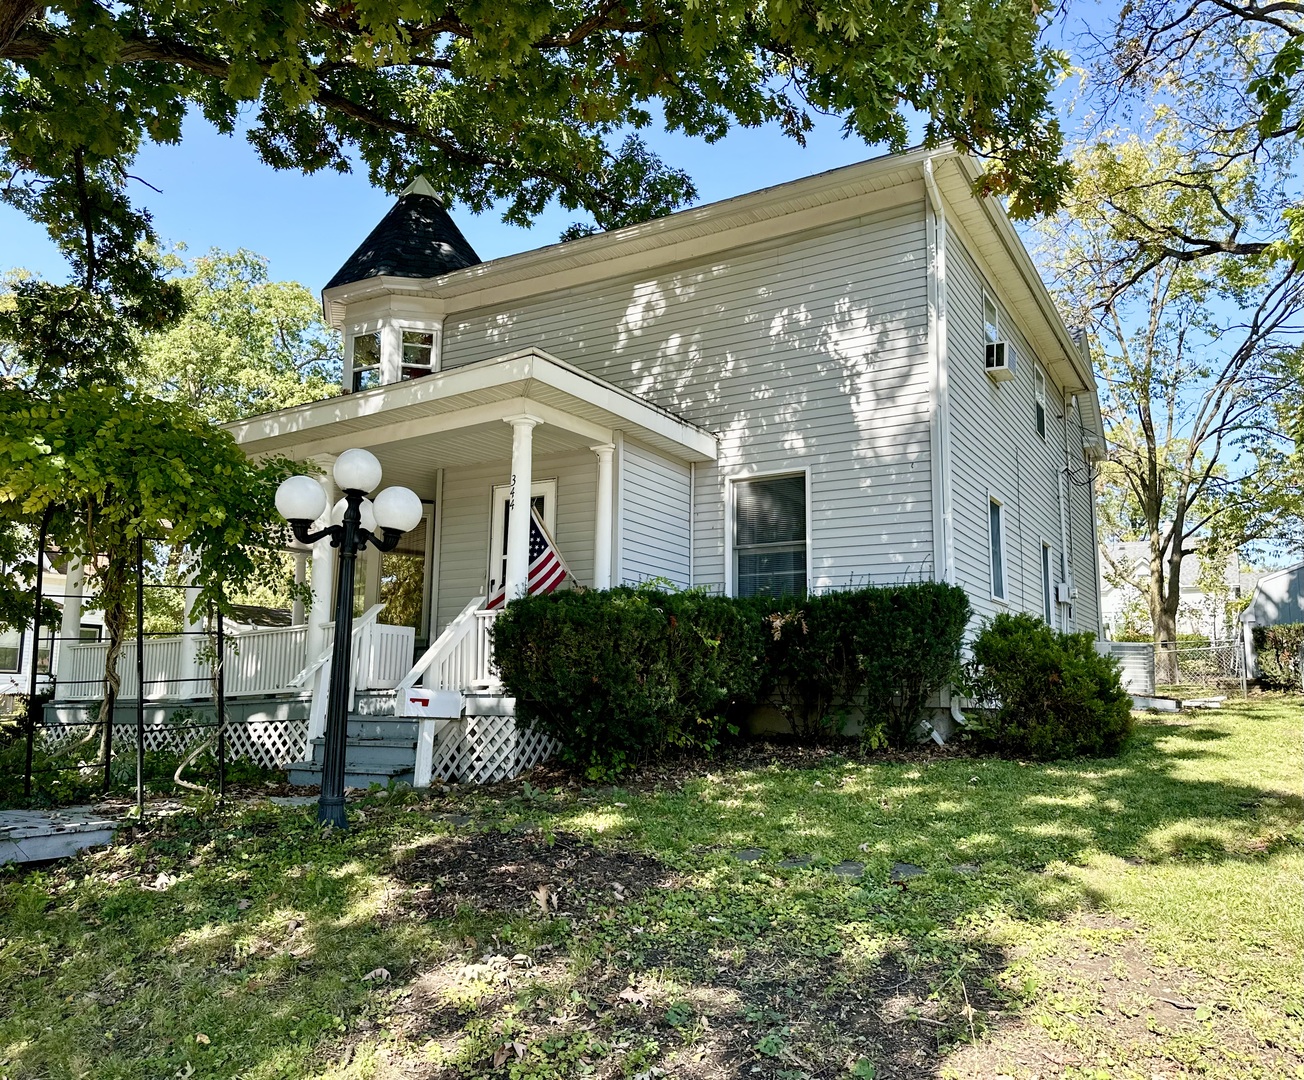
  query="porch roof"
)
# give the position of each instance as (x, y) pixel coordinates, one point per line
(455, 417)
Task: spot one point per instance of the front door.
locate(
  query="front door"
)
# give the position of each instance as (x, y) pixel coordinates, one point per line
(543, 497)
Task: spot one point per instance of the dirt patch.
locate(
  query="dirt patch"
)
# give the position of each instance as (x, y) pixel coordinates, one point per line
(1107, 998)
(497, 871)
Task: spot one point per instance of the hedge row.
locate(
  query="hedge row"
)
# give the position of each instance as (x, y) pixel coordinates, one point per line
(624, 675)
(1278, 652)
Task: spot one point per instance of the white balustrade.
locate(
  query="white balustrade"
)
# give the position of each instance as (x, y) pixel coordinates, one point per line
(262, 661)
(258, 661)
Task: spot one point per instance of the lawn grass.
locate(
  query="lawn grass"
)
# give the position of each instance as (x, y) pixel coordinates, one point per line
(1132, 917)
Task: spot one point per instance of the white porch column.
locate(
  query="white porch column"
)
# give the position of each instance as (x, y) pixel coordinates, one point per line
(191, 645)
(518, 524)
(322, 609)
(300, 579)
(602, 517)
(70, 628)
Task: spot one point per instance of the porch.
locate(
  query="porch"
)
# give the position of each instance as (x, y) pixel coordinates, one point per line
(425, 700)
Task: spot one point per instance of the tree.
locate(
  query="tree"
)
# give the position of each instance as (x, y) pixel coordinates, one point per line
(245, 345)
(508, 101)
(1188, 357)
(113, 467)
(1227, 79)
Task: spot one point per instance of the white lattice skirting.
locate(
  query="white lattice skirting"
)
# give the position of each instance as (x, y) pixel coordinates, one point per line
(484, 749)
(271, 744)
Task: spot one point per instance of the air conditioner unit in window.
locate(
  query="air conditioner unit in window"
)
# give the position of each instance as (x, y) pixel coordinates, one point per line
(1000, 361)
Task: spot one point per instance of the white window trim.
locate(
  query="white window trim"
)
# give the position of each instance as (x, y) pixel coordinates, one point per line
(988, 294)
(1047, 569)
(357, 330)
(391, 345)
(1039, 377)
(992, 497)
(730, 582)
(433, 327)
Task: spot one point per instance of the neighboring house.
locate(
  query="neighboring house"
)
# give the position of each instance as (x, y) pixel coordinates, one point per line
(1278, 599)
(17, 654)
(1207, 605)
(853, 378)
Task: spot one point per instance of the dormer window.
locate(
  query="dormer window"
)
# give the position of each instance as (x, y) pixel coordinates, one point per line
(418, 354)
(365, 354)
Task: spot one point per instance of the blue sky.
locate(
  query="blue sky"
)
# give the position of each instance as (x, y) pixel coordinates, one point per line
(214, 192)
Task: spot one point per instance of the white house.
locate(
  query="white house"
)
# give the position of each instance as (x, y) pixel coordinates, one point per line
(853, 378)
(17, 651)
(1205, 606)
(1278, 599)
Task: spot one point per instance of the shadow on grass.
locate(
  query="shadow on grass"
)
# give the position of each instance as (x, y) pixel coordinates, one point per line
(620, 938)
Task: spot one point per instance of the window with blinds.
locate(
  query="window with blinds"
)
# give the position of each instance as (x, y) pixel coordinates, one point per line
(770, 536)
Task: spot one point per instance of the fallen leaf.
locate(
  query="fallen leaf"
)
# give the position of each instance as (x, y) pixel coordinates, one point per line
(865, 846)
(244, 905)
(292, 926)
(202, 1039)
(633, 997)
(500, 1056)
(376, 973)
(544, 896)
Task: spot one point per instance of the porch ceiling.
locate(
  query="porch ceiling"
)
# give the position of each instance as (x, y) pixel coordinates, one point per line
(456, 418)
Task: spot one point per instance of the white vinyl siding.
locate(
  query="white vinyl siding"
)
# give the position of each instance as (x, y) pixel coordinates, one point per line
(464, 529)
(655, 511)
(809, 352)
(995, 448)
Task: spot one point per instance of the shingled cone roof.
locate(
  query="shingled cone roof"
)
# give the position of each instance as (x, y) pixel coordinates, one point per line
(416, 239)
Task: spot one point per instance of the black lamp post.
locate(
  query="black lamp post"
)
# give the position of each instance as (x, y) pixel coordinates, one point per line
(356, 522)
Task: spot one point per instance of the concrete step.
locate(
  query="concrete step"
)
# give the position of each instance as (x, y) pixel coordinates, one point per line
(381, 727)
(365, 753)
(308, 773)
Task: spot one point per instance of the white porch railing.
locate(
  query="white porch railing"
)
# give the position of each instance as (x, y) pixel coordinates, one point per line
(461, 658)
(262, 660)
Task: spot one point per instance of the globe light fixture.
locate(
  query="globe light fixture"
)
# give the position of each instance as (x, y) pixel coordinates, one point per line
(355, 523)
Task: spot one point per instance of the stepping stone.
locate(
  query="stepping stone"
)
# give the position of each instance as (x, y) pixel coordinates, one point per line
(848, 869)
(293, 800)
(797, 862)
(750, 854)
(903, 871)
(967, 869)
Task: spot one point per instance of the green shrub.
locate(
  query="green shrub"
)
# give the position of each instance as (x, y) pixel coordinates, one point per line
(1277, 651)
(621, 676)
(1044, 695)
(881, 652)
(812, 673)
(909, 639)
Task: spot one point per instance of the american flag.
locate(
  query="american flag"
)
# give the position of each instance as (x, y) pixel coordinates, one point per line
(547, 570)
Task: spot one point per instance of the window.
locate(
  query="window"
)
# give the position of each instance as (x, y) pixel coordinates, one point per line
(770, 536)
(991, 319)
(997, 530)
(1040, 379)
(1047, 589)
(11, 650)
(418, 354)
(366, 361)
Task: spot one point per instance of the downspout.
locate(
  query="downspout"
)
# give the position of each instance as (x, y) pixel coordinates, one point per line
(939, 390)
(692, 524)
(1061, 482)
(940, 403)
